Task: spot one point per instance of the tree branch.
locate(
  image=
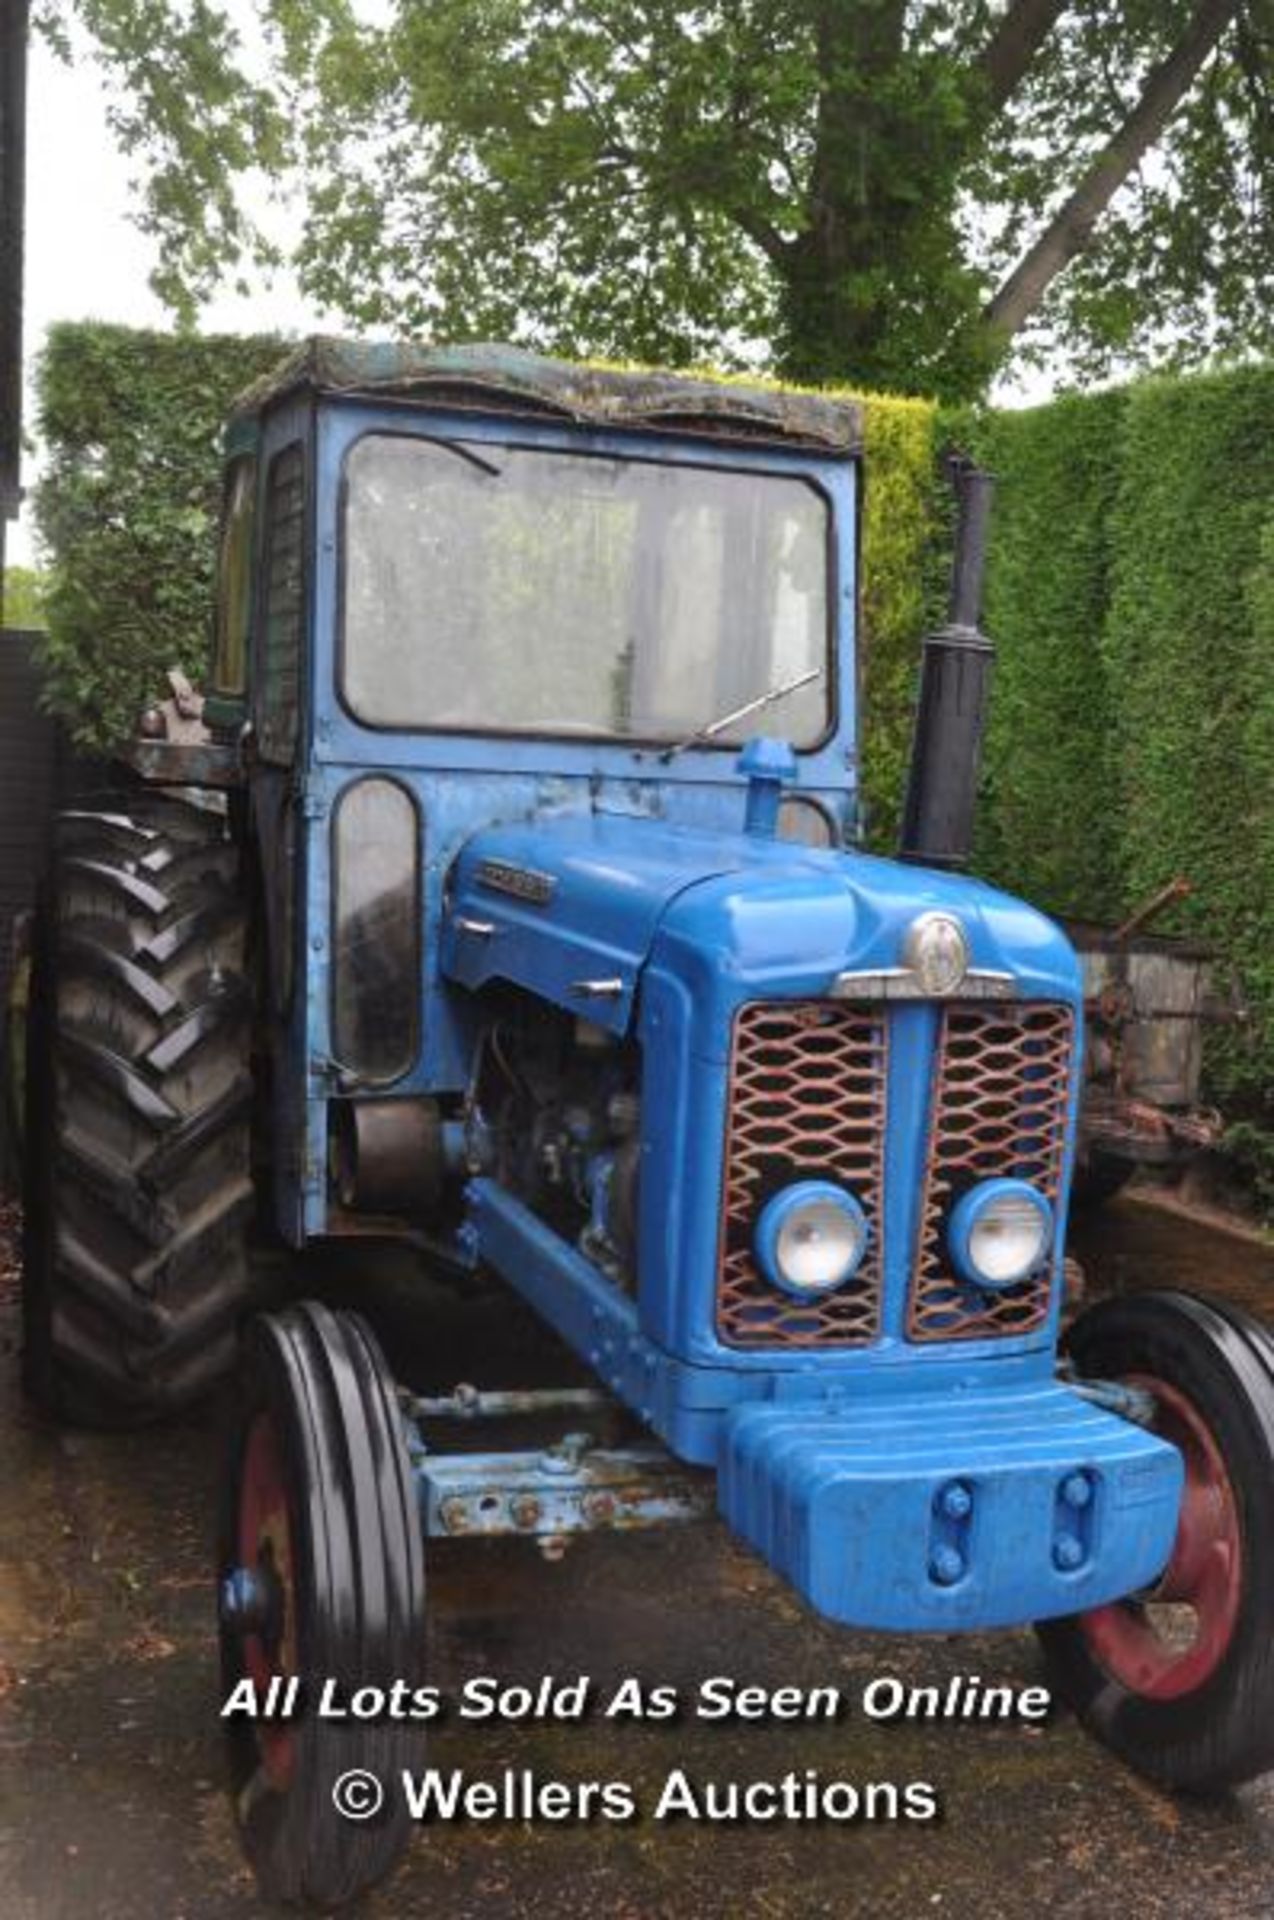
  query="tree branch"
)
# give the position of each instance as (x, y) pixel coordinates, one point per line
(1070, 231)
(763, 233)
(685, 182)
(1009, 52)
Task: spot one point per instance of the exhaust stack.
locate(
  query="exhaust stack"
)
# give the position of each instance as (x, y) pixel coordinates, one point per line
(937, 827)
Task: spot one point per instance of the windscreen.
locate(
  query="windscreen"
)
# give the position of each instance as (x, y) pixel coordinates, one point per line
(523, 590)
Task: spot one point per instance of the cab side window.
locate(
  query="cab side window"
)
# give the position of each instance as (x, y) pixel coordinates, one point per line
(283, 605)
(234, 577)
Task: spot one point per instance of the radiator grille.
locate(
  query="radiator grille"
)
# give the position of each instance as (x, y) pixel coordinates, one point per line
(806, 1100)
(999, 1109)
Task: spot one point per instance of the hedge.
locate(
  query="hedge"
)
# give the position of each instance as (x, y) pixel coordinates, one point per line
(902, 518)
(127, 511)
(1048, 823)
(1130, 591)
(1188, 644)
(23, 599)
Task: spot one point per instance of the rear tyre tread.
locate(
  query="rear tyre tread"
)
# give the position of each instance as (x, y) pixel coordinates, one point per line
(138, 1187)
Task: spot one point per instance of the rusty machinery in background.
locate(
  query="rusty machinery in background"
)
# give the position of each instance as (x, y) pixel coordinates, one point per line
(1148, 1000)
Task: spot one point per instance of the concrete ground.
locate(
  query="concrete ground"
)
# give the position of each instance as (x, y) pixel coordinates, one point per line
(111, 1797)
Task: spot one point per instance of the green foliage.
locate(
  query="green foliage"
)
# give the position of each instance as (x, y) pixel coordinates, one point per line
(127, 511)
(1131, 593)
(1049, 819)
(1188, 647)
(834, 191)
(24, 591)
(902, 515)
(1249, 1146)
(195, 120)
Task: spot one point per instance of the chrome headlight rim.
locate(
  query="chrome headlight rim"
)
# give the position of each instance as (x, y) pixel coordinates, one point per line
(970, 1213)
(780, 1216)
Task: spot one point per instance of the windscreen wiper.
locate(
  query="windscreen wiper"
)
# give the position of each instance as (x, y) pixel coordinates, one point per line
(727, 720)
(465, 451)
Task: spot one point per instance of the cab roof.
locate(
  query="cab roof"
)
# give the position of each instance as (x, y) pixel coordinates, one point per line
(505, 380)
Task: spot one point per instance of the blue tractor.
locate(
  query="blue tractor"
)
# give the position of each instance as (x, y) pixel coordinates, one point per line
(506, 896)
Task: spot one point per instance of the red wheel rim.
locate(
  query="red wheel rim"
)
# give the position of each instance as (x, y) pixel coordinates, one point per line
(1139, 1641)
(265, 1543)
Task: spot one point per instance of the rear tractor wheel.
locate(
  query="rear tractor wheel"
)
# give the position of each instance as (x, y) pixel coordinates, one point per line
(1179, 1680)
(137, 1187)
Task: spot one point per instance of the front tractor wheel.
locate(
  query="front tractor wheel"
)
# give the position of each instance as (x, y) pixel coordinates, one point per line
(137, 1190)
(1179, 1680)
(321, 1584)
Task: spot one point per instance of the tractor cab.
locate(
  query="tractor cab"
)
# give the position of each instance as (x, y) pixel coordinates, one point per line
(463, 588)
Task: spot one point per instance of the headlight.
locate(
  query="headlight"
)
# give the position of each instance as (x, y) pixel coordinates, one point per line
(811, 1238)
(1000, 1232)
(936, 949)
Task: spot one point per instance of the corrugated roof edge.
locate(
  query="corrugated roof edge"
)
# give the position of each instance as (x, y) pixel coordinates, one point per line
(497, 376)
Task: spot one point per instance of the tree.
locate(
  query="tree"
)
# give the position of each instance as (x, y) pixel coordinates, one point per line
(898, 194)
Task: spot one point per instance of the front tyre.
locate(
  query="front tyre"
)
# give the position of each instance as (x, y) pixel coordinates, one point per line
(321, 1581)
(1179, 1680)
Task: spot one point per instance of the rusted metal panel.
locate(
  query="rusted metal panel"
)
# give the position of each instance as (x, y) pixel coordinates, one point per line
(173, 747)
(172, 763)
(566, 1489)
(1163, 1041)
(1139, 1131)
(1147, 999)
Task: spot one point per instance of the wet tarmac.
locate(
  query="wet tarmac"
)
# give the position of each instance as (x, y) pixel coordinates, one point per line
(111, 1796)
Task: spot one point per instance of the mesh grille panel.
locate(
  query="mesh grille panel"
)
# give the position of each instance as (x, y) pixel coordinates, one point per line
(806, 1100)
(999, 1110)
